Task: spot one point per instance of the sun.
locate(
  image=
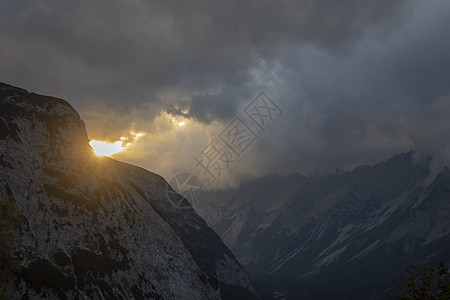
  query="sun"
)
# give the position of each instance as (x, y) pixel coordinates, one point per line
(106, 149)
(102, 148)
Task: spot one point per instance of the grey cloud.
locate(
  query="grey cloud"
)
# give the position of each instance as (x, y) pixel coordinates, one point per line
(122, 46)
(384, 97)
(352, 76)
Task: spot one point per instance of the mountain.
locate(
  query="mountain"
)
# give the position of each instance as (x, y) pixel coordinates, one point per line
(96, 228)
(345, 236)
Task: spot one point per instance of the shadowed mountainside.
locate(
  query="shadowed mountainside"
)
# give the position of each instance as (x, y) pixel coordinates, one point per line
(351, 232)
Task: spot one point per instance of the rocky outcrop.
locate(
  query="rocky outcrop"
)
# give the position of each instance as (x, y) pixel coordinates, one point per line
(96, 228)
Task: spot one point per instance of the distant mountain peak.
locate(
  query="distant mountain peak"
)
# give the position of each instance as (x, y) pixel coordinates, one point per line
(353, 232)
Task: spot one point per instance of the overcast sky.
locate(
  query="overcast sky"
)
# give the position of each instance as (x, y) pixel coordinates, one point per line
(357, 81)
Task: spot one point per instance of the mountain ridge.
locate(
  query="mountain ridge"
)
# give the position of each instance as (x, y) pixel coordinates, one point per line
(297, 234)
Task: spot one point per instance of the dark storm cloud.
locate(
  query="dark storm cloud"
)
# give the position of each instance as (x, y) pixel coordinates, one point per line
(354, 77)
(385, 97)
(132, 49)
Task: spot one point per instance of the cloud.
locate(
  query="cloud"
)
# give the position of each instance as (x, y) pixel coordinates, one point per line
(358, 81)
(116, 50)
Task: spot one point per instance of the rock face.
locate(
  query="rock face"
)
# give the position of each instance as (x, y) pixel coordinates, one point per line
(96, 228)
(351, 232)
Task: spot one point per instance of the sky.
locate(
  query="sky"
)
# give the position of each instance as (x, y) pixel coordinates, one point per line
(185, 85)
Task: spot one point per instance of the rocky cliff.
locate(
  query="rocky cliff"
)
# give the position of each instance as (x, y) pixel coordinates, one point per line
(96, 228)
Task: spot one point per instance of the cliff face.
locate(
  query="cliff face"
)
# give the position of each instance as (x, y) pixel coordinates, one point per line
(96, 228)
